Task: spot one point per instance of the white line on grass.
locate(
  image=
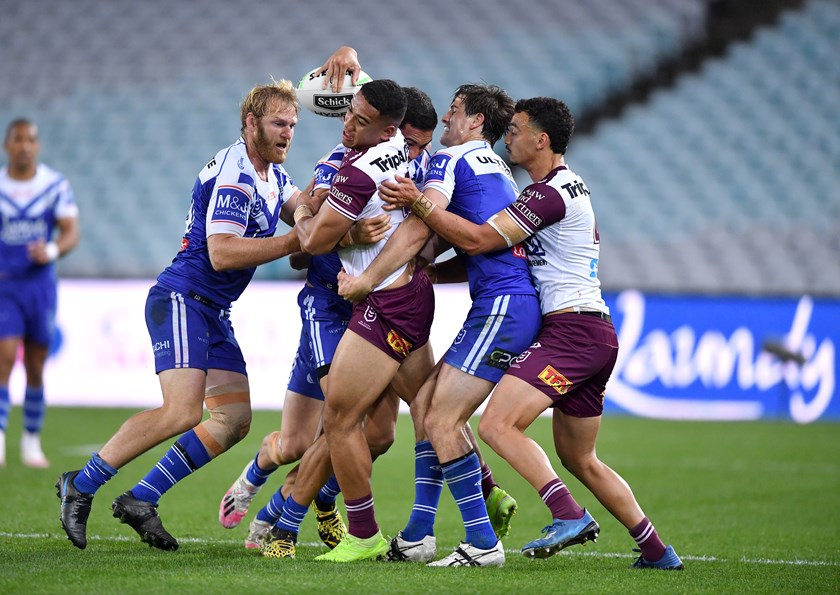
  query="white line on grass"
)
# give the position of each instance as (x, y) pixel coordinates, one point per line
(201, 540)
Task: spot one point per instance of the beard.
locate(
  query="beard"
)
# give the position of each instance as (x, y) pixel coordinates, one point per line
(266, 149)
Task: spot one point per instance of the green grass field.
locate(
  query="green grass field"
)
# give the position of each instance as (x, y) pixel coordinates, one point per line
(750, 507)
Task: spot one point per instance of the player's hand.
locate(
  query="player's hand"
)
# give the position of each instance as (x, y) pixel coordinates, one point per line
(371, 230)
(343, 60)
(353, 289)
(299, 260)
(398, 193)
(38, 252)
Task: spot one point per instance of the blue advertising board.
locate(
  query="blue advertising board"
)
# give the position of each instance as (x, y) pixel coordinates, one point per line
(725, 358)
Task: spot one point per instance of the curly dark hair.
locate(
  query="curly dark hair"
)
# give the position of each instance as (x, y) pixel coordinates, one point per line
(553, 117)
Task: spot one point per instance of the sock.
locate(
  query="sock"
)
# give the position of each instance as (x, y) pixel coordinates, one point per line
(648, 540)
(428, 484)
(361, 518)
(271, 512)
(560, 502)
(487, 481)
(93, 475)
(327, 495)
(5, 407)
(34, 409)
(292, 516)
(185, 456)
(256, 475)
(463, 476)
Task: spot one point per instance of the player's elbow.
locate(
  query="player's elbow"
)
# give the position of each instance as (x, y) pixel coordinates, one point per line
(311, 245)
(218, 259)
(472, 248)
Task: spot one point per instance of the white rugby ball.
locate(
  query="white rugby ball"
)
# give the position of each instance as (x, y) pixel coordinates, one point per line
(325, 102)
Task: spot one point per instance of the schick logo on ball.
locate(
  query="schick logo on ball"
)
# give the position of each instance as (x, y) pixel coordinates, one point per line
(333, 102)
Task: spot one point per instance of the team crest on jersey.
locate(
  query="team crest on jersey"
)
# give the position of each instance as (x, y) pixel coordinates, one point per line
(555, 380)
(398, 344)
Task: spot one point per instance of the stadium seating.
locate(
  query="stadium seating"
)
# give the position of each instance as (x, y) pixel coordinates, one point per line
(721, 183)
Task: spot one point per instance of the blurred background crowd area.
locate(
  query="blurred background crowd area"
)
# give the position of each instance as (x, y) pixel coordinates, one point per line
(707, 131)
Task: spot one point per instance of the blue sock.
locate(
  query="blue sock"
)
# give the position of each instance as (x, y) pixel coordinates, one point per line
(463, 476)
(271, 512)
(326, 497)
(292, 517)
(428, 484)
(5, 407)
(34, 409)
(93, 475)
(185, 456)
(256, 475)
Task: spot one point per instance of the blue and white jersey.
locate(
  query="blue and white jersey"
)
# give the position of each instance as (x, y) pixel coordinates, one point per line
(323, 268)
(478, 184)
(418, 167)
(29, 210)
(228, 197)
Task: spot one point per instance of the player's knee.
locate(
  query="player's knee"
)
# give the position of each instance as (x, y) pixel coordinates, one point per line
(233, 421)
(292, 448)
(488, 430)
(380, 440)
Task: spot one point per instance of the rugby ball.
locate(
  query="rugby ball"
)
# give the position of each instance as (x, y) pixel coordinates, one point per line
(325, 102)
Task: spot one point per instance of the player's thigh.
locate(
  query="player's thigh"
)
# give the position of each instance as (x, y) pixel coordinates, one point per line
(301, 418)
(359, 374)
(513, 404)
(574, 437)
(413, 372)
(457, 395)
(183, 391)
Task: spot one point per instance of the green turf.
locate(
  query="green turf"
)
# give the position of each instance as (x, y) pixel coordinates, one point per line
(750, 507)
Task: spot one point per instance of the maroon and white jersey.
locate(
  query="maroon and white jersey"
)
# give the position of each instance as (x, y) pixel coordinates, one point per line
(355, 194)
(563, 246)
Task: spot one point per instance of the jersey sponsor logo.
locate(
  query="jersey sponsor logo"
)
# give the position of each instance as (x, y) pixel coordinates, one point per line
(555, 380)
(576, 189)
(185, 243)
(497, 161)
(231, 204)
(530, 215)
(21, 231)
(324, 176)
(391, 160)
(530, 193)
(398, 344)
(437, 167)
(499, 358)
(211, 163)
(519, 251)
(340, 196)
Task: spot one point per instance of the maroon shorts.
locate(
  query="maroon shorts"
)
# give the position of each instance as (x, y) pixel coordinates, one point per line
(571, 362)
(398, 320)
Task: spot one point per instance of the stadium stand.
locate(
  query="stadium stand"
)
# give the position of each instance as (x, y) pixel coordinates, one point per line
(720, 182)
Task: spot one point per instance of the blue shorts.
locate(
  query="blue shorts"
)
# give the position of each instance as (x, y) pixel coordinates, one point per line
(188, 333)
(27, 310)
(324, 315)
(497, 329)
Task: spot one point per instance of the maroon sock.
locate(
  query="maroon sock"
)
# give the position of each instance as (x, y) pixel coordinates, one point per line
(648, 540)
(361, 519)
(487, 481)
(560, 502)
